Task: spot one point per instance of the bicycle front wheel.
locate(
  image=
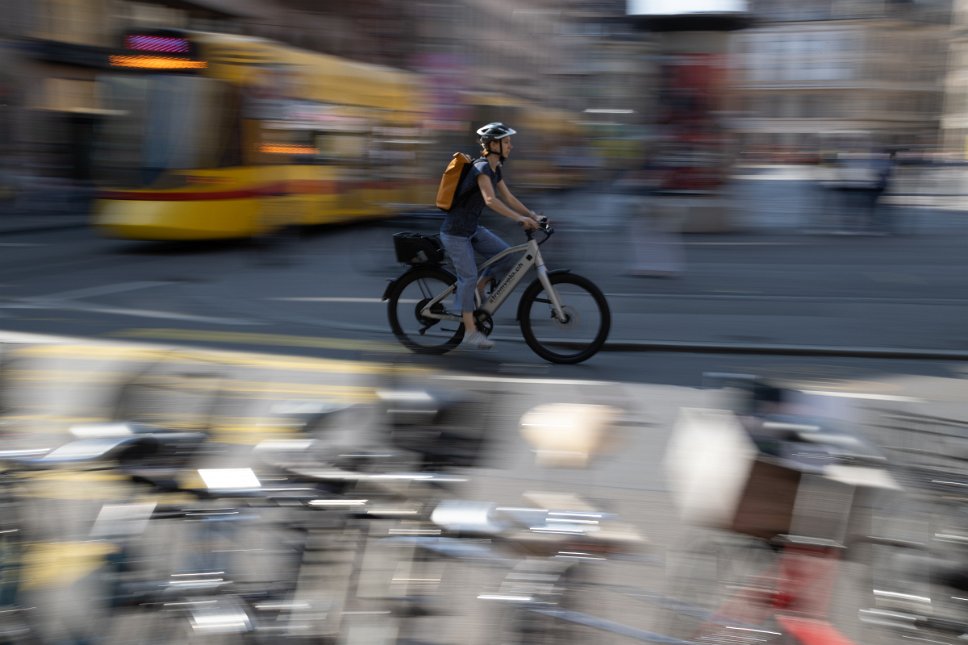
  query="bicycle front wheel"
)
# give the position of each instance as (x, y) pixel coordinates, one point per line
(583, 331)
(407, 298)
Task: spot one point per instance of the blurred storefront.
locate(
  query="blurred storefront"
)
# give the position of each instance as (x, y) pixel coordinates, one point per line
(61, 46)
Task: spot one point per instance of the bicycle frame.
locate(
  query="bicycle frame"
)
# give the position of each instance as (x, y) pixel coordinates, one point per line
(530, 257)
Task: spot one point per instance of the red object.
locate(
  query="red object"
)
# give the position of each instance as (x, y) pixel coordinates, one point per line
(807, 631)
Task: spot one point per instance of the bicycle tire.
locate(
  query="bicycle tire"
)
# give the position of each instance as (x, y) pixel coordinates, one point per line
(597, 331)
(403, 311)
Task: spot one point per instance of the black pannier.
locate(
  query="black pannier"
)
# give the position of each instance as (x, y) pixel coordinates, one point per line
(417, 248)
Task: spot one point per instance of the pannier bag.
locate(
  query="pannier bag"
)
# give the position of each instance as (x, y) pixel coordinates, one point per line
(451, 181)
(417, 248)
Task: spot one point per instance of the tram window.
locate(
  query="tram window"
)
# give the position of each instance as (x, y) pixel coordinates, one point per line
(159, 123)
(344, 148)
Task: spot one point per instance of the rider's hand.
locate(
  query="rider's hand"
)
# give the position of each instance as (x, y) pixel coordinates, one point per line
(528, 223)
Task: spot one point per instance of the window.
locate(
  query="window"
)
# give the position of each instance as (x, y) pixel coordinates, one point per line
(165, 123)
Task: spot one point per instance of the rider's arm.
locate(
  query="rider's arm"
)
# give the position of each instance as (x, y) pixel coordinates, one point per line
(491, 201)
(513, 201)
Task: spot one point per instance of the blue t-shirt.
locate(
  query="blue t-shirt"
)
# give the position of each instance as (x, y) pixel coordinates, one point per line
(462, 219)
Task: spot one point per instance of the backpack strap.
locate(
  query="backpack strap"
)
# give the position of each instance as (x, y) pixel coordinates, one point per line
(462, 195)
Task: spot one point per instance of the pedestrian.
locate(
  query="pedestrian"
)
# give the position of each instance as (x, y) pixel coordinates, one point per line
(656, 218)
(880, 217)
(462, 235)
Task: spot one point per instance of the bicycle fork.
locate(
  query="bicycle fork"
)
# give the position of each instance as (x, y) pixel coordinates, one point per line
(556, 308)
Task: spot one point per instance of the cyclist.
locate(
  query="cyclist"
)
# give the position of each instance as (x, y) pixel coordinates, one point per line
(462, 235)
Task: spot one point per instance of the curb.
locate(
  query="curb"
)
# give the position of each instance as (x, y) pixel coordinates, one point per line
(11, 337)
(788, 350)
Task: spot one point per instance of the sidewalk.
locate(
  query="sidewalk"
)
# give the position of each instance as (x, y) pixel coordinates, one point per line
(22, 224)
(42, 204)
(628, 478)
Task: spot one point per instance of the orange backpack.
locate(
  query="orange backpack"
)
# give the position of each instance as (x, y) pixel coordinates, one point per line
(451, 181)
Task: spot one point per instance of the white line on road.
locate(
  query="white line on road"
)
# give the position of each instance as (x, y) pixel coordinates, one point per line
(23, 244)
(328, 299)
(118, 287)
(688, 243)
(124, 311)
(341, 299)
(10, 337)
(165, 315)
(515, 379)
(866, 395)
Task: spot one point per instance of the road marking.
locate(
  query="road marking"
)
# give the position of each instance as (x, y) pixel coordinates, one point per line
(103, 350)
(164, 315)
(22, 244)
(346, 299)
(688, 243)
(260, 339)
(251, 389)
(328, 299)
(103, 290)
(866, 395)
(516, 379)
(16, 337)
(70, 305)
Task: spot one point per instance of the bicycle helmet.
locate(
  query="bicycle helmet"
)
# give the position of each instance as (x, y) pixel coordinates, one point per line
(494, 132)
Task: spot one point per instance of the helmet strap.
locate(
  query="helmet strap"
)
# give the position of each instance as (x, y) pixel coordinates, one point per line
(489, 152)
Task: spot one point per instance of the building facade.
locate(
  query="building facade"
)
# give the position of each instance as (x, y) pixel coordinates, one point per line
(954, 125)
(811, 72)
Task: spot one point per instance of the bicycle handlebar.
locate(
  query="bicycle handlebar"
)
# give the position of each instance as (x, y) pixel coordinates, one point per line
(544, 227)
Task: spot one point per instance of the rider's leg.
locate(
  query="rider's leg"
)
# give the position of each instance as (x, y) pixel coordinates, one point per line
(488, 245)
(461, 253)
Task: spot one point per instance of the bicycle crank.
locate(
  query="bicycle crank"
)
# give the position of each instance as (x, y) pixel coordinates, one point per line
(485, 324)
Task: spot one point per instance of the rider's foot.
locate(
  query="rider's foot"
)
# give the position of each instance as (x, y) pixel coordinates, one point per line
(476, 340)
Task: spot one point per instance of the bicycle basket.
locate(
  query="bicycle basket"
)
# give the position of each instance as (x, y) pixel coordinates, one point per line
(417, 248)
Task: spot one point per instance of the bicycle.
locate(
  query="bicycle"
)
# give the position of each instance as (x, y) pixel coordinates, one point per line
(917, 557)
(564, 317)
(800, 488)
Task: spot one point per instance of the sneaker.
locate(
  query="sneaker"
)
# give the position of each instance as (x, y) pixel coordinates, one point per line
(476, 340)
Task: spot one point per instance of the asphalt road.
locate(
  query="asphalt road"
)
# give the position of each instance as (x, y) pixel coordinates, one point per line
(770, 292)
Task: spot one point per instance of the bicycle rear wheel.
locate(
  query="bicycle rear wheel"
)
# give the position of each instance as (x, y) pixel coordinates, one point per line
(407, 298)
(580, 335)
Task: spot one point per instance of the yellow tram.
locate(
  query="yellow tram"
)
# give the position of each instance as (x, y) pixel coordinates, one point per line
(214, 136)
